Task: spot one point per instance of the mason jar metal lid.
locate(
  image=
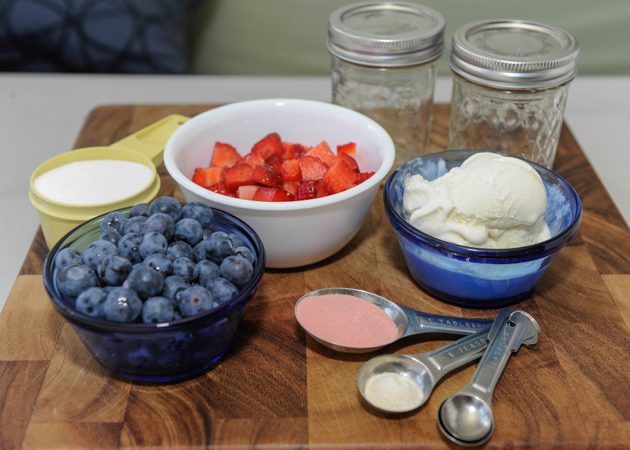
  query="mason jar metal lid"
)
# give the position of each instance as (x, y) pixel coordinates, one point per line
(386, 34)
(514, 54)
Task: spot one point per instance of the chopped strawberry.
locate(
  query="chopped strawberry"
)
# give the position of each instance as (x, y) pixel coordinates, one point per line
(267, 176)
(323, 152)
(268, 146)
(306, 190)
(208, 176)
(362, 176)
(292, 151)
(349, 149)
(268, 194)
(274, 161)
(222, 189)
(312, 169)
(239, 175)
(224, 155)
(290, 186)
(339, 177)
(253, 160)
(322, 191)
(290, 170)
(246, 192)
(348, 160)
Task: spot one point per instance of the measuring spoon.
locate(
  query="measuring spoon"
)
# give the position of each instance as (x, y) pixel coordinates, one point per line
(402, 383)
(466, 417)
(408, 321)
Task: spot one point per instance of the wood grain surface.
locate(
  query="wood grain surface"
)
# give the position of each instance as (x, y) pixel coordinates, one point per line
(277, 389)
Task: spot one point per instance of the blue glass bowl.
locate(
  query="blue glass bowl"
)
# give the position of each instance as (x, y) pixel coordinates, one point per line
(475, 277)
(166, 352)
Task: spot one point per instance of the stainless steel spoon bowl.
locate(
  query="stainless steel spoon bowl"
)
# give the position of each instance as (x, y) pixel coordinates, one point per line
(408, 321)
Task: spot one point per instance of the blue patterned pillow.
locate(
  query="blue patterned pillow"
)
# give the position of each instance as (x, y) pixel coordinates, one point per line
(135, 36)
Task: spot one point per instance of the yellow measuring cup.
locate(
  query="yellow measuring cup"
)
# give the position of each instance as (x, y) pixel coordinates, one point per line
(144, 147)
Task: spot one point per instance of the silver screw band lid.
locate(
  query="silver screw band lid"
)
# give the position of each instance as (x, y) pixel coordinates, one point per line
(514, 54)
(386, 34)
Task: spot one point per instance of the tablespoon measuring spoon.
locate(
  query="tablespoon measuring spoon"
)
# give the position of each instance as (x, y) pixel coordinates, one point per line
(402, 383)
(466, 417)
(407, 321)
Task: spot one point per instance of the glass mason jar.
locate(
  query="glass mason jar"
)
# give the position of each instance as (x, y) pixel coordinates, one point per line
(384, 64)
(510, 84)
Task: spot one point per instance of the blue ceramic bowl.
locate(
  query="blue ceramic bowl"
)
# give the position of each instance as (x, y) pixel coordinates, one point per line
(475, 277)
(165, 352)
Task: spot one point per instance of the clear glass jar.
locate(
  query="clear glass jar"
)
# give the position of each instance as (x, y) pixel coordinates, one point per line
(510, 85)
(521, 123)
(399, 99)
(384, 64)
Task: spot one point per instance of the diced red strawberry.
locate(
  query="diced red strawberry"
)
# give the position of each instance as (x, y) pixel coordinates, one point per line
(312, 169)
(267, 176)
(339, 177)
(239, 175)
(362, 176)
(274, 161)
(323, 152)
(207, 176)
(292, 151)
(322, 191)
(268, 194)
(222, 189)
(290, 186)
(269, 145)
(224, 155)
(246, 192)
(348, 160)
(253, 160)
(349, 149)
(306, 190)
(290, 170)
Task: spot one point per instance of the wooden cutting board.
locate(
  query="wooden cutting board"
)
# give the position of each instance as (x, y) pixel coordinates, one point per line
(278, 389)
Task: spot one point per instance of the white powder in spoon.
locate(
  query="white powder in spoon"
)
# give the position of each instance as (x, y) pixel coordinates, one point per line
(93, 182)
(393, 392)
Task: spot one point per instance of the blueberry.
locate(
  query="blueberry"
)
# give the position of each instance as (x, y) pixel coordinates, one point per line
(172, 285)
(114, 270)
(166, 205)
(113, 221)
(135, 225)
(145, 281)
(246, 253)
(158, 310)
(177, 343)
(75, 278)
(90, 302)
(140, 357)
(112, 236)
(201, 213)
(122, 305)
(188, 230)
(140, 210)
(216, 247)
(208, 271)
(66, 257)
(153, 242)
(222, 290)
(236, 240)
(97, 251)
(160, 263)
(195, 300)
(179, 249)
(160, 223)
(237, 270)
(185, 268)
(129, 247)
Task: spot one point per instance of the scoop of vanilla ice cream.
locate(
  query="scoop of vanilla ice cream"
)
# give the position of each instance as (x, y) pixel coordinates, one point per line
(490, 201)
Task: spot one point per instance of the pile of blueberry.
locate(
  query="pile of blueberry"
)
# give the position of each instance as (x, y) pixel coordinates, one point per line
(159, 263)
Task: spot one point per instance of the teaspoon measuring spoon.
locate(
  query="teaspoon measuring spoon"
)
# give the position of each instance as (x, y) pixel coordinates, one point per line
(408, 321)
(466, 417)
(402, 383)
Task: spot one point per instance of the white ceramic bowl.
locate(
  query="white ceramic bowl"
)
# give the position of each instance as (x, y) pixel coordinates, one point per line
(293, 233)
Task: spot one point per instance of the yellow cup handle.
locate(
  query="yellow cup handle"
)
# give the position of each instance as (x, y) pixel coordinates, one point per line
(150, 141)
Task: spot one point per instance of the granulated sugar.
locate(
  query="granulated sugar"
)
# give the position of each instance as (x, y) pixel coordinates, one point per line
(346, 320)
(393, 392)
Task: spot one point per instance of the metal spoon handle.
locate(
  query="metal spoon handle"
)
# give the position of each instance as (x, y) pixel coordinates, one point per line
(506, 336)
(420, 322)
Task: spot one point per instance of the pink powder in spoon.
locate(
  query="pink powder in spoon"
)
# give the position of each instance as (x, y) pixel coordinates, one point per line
(346, 320)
